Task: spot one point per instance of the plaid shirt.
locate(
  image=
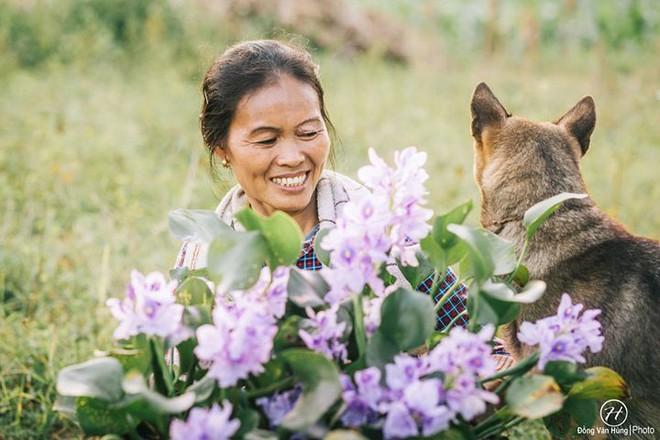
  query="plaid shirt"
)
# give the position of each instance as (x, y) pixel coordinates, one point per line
(450, 309)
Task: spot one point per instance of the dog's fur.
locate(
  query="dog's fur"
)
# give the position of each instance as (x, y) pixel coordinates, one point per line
(579, 249)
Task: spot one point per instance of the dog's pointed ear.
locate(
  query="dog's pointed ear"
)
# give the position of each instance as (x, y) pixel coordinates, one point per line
(486, 110)
(580, 122)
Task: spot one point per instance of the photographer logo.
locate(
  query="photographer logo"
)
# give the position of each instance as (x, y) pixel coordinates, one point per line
(613, 413)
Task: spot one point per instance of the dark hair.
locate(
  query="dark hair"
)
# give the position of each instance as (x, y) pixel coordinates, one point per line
(243, 69)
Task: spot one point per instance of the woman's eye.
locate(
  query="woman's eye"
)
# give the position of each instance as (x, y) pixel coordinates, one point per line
(309, 134)
(270, 141)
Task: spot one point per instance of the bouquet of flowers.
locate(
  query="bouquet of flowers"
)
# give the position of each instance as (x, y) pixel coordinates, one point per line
(252, 347)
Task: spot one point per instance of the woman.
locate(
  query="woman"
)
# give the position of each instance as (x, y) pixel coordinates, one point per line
(264, 118)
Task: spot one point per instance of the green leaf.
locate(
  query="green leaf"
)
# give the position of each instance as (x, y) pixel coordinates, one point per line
(502, 252)
(197, 225)
(380, 350)
(287, 333)
(442, 247)
(441, 234)
(501, 291)
(534, 396)
(434, 253)
(260, 434)
(564, 372)
(203, 388)
(538, 213)
(194, 291)
(237, 259)
(480, 258)
(532, 291)
(132, 359)
(150, 405)
(306, 288)
(186, 354)
(249, 419)
(96, 418)
(415, 275)
(322, 254)
(484, 307)
(407, 318)
(576, 412)
(601, 383)
(195, 316)
(65, 405)
(458, 433)
(274, 371)
(282, 233)
(584, 412)
(319, 377)
(99, 378)
(521, 276)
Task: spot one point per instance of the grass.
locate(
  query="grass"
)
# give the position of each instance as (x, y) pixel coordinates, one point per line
(94, 154)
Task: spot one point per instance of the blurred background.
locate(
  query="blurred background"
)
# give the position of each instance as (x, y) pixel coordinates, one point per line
(99, 138)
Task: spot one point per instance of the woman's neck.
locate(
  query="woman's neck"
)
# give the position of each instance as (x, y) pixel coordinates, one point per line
(308, 218)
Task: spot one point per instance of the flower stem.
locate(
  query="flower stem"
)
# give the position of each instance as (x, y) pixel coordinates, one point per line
(519, 262)
(446, 295)
(490, 431)
(493, 422)
(162, 376)
(453, 321)
(520, 368)
(190, 375)
(435, 286)
(282, 384)
(360, 336)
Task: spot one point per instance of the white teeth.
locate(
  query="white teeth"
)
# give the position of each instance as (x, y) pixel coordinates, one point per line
(290, 181)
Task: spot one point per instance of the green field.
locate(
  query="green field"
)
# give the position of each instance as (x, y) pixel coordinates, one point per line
(99, 140)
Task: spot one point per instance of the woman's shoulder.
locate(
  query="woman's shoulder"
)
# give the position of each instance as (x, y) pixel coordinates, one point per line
(342, 184)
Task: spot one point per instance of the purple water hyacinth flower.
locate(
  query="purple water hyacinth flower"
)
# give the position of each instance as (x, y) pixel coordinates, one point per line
(276, 294)
(323, 333)
(203, 424)
(239, 342)
(464, 351)
(424, 395)
(425, 398)
(468, 400)
(399, 422)
(149, 307)
(565, 336)
(365, 399)
(358, 245)
(279, 404)
(378, 176)
(401, 190)
(404, 371)
(463, 358)
(269, 289)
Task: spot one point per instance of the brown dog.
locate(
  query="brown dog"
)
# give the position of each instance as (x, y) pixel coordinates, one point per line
(579, 249)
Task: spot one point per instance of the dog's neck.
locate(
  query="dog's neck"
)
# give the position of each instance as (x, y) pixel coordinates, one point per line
(496, 226)
(564, 234)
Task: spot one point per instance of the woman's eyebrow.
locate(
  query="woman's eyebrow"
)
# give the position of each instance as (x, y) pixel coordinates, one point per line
(307, 121)
(264, 129)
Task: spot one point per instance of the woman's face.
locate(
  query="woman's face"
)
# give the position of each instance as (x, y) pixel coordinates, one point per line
(277, 147)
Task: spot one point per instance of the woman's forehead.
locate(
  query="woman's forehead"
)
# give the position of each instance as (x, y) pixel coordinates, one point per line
(288, 101)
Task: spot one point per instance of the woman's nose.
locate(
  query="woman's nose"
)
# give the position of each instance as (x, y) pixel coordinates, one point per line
(290, 154)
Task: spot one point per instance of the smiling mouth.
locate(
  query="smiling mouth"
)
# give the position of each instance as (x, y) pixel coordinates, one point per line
(290, 182)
